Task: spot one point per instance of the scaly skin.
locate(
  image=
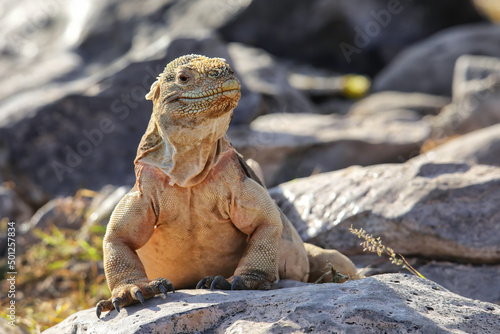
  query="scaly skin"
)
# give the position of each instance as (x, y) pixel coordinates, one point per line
(198, 215)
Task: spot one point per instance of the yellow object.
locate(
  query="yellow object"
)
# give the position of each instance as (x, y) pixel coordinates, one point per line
(355, 86)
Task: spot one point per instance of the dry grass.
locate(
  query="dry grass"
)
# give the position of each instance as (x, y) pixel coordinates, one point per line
(375, 245)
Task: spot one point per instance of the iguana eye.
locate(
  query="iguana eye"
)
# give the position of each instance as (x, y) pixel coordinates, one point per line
(184, 77)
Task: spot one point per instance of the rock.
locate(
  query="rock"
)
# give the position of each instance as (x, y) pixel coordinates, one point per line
(427, 67)
(468, 280)
(419, 208)
(478, 147)
(343, 35)
(476, 97)
(290, 146)
(104, 203)
(265, 75)
(13, 207)
(477, 282)
(422, 104)
(392, 303)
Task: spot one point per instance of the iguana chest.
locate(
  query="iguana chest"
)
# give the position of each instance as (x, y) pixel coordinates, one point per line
(194, 236)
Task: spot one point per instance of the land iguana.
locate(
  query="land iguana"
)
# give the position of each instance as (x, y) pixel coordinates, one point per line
(198, 216)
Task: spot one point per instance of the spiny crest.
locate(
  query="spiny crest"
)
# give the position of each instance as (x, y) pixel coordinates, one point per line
(174, 64)
(169, 71)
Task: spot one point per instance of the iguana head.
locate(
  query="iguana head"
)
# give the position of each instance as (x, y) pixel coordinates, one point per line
(193, 100)
(195, 87)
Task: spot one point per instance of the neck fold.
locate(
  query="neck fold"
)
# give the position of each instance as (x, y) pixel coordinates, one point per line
(185, 154)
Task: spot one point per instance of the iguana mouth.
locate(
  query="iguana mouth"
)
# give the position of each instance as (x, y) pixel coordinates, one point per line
(231, 93)
(229, 89)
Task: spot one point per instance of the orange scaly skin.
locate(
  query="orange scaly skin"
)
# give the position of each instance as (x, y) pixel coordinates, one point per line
(198, 213)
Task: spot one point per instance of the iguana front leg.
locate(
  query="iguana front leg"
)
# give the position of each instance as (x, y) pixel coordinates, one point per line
(255, 214)
(130, 227)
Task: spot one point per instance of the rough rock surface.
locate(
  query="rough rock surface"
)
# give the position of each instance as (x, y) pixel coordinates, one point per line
(411, 70)
(420, 208)
(392, 303)
(290, 146)
(476, 282)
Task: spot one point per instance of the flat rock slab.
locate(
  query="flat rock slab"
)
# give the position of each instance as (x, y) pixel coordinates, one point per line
(392, 303)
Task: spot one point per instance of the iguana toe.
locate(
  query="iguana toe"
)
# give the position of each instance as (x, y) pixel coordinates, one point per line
(250, 282)
(134, 293)
(139, 296)
(220, 283)
(205, 283)
(213, 283)
(238, 284)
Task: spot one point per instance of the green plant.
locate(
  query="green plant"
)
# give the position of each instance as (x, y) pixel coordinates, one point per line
(56, 277)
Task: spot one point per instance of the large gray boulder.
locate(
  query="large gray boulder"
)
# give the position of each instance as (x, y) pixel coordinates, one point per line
(427, 67)
(389, 304)
(420, 208)
(288, 146)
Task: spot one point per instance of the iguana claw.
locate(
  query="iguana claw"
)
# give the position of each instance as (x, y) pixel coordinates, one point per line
(163, 290)
(116, 304)
(202, 282)
(139, 296)
(221, 283)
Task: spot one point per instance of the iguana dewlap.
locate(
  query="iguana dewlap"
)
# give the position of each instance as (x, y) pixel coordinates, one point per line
(197, 213)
